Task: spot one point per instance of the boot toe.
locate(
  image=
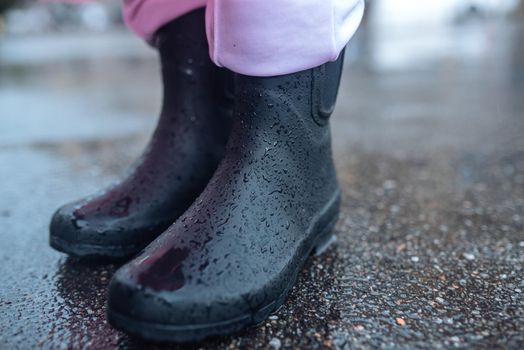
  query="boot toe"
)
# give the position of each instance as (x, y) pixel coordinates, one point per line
(85, 238)
(186, 315)
(63, 230)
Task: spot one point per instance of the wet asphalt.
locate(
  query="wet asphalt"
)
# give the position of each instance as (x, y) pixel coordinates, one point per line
(429, 144)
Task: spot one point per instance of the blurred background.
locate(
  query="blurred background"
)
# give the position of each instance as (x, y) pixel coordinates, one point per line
(428, 140)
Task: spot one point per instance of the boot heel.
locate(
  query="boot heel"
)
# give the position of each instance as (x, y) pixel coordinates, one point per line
(326, 238)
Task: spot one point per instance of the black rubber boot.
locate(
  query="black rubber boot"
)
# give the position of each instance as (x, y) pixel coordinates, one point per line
(232, 258)
(181, 157)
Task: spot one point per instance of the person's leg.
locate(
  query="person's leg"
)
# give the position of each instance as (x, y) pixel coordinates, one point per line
(181, 157)
(233, 256)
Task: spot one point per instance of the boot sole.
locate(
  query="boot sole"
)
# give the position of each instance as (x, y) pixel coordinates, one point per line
(319, 239)
(91, 250)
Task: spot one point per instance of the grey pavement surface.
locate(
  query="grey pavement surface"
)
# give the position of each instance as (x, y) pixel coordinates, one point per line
(429, 143)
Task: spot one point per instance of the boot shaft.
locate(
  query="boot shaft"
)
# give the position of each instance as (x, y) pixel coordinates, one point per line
(183, 40)
(304, 101)
(186, 67)
(287, 117)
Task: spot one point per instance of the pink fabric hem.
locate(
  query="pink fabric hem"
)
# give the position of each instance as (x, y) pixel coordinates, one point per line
(276, 37)
(145, 17)
(258, 37)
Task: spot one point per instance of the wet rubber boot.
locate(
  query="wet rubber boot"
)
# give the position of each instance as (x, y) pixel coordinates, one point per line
(232, 258)
(182, 155)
